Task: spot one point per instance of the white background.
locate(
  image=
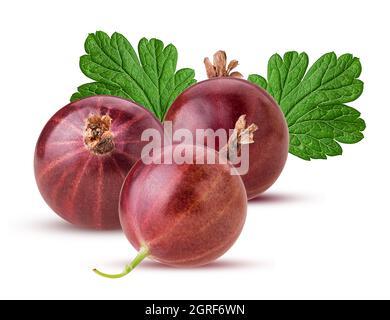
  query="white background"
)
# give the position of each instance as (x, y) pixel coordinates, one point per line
(322, 231)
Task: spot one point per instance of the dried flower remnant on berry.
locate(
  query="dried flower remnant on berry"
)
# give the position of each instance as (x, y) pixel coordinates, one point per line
(241, 135)
(97, 136)
(220, 68)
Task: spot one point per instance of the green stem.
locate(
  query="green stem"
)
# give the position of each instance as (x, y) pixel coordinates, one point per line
(142, 254)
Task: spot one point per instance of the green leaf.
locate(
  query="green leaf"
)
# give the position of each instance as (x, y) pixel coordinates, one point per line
(259, 80)
(313, 101)
(97, 88)
(149, 78)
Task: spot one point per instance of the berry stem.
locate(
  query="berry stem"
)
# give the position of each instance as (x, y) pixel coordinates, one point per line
(142, 254)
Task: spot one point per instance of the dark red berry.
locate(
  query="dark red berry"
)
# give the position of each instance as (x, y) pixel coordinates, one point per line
(218, 103)
(181, 214)
(84, 154)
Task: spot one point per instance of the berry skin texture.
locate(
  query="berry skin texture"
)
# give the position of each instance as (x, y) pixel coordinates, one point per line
(183, 214)
(218, 103)
(84, 154)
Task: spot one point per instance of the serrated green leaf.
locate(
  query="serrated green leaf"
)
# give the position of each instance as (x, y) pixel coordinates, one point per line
(313, 101)
(285, 74)
(149, 79)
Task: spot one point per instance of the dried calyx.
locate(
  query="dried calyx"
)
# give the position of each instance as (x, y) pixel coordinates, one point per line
(220, 68)
(97, 135)
(242, 134)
